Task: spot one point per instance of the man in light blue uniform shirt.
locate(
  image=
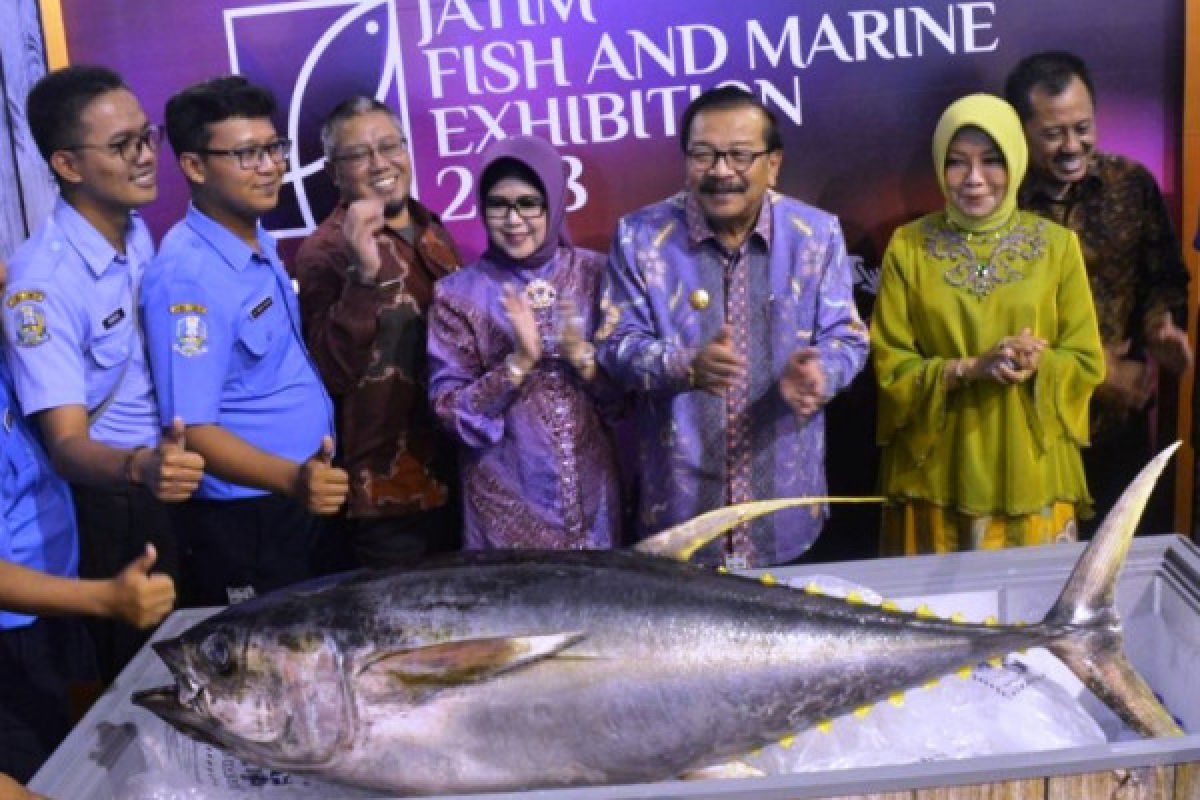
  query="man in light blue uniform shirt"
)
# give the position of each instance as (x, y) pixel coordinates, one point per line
(226, 351)
(40, 657)
(72, 338)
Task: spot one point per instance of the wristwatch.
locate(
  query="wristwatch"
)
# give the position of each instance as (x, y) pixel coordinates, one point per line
(516, 373)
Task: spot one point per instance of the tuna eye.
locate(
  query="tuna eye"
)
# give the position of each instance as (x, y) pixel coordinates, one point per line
(216, 652)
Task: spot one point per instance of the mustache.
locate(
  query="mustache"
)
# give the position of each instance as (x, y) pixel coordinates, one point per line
(710, 184)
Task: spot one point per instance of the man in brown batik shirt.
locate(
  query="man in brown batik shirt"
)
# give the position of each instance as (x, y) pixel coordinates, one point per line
(366, 279)
(1138, 279)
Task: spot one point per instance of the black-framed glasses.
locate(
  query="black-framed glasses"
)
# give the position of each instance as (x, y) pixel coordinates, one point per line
(527, 206)
(129, 145)
(251, 155)
(739, 159)
(388, 149)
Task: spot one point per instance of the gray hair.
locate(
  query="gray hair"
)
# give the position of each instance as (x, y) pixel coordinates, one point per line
(349, 108)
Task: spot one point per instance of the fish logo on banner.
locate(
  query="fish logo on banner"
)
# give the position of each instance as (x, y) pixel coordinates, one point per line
(313, 54)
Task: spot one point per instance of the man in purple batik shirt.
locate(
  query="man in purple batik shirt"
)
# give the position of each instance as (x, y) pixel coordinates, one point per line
(728, 310)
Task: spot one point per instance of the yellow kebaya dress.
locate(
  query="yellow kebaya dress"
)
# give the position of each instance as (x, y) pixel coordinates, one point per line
(983, 465)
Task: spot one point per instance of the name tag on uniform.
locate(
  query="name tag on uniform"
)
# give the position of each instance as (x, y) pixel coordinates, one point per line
(259, 309)
(736, 561)
(113, 318)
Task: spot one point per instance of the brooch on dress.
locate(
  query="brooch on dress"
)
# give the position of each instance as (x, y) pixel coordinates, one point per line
(541, 293)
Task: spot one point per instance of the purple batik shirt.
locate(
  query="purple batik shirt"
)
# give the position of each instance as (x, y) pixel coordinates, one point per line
(537, 461)
(670, 287)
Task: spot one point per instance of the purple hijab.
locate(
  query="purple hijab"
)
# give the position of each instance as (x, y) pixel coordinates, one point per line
(540, 158)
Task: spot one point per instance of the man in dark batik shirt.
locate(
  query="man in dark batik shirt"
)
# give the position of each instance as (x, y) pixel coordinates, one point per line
(1138, 279)
(366, 280)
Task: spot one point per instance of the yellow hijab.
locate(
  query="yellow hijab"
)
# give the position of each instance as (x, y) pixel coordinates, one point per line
(998, 120)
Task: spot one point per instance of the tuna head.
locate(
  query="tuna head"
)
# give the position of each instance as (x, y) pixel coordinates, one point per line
(279, 698)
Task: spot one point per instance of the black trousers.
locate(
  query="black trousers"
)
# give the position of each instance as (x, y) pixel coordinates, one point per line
(114, 527)
(231, 550)
(37, 665)
(1112, 462)
(403, 540)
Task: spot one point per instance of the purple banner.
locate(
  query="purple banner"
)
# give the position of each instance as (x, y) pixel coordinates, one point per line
(857, 87)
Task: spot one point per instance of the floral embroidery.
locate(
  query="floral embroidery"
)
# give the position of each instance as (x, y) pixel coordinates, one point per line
(1013, 250)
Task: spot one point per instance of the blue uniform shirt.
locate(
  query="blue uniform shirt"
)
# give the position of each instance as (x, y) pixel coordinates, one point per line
(70, 326)
(223, 332)
(37, 519)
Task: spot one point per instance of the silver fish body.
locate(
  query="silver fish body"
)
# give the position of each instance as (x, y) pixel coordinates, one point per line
(514, 670)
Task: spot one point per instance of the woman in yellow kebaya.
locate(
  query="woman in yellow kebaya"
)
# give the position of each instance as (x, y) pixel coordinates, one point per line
(986, 351)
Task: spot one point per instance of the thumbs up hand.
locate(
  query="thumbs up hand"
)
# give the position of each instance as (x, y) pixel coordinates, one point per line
(140, 597)
(170, 471)
(320, 486)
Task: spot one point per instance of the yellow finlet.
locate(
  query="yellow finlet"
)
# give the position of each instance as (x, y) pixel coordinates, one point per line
(889, 605)
(965, 672)
(787, 742)
(991, 620)
(957, 616)
(996, 662)
(896, 699)
(768, 579)
(855, 598)
(825, 726)
(925, 612)
(813, 588)
(862, 711)
(929, 684)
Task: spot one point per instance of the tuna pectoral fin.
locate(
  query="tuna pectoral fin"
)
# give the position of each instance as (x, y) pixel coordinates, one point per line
(682, 541)
(1086, 612)
(466, 660)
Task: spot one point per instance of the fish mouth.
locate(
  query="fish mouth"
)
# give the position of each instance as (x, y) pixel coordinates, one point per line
(164, 702)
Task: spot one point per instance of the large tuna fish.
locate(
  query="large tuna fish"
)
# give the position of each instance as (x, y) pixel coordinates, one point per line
(513, 670)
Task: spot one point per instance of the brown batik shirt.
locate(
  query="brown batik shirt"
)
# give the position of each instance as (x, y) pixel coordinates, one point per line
(1131, 252)
(369, 345)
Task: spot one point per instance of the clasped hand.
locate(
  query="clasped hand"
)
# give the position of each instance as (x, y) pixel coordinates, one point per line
(1013, 359)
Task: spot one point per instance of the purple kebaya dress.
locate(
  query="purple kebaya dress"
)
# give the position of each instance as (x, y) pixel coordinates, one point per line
(537, 461)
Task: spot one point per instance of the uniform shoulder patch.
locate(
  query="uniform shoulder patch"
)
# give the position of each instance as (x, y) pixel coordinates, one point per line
(30, 322)
(25, 295)
(191, 335)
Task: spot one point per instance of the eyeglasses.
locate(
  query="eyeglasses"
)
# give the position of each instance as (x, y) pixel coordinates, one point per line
(250, 156)
(738, 159)
(527, 206)
(128, 146)
(360, 157)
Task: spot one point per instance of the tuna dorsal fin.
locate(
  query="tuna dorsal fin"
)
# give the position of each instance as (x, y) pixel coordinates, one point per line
(682, 541)
(466, 660)
(1092, 645)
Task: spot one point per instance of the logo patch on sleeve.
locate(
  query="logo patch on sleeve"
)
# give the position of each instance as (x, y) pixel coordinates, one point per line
(191, 336)
(188, 308)
(26, 294)
(31, 325)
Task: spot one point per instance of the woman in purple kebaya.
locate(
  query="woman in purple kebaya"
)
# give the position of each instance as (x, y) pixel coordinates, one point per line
(513, 371)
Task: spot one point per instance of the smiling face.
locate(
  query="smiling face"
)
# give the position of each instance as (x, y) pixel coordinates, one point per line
(976, 175)
(730, 196)
(234, 195)
(514, 212)
(94, 173)
(370, 159)
(1061, 132)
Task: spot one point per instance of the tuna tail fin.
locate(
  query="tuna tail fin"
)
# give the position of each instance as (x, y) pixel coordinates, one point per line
(683, 540)
(1093, 646)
